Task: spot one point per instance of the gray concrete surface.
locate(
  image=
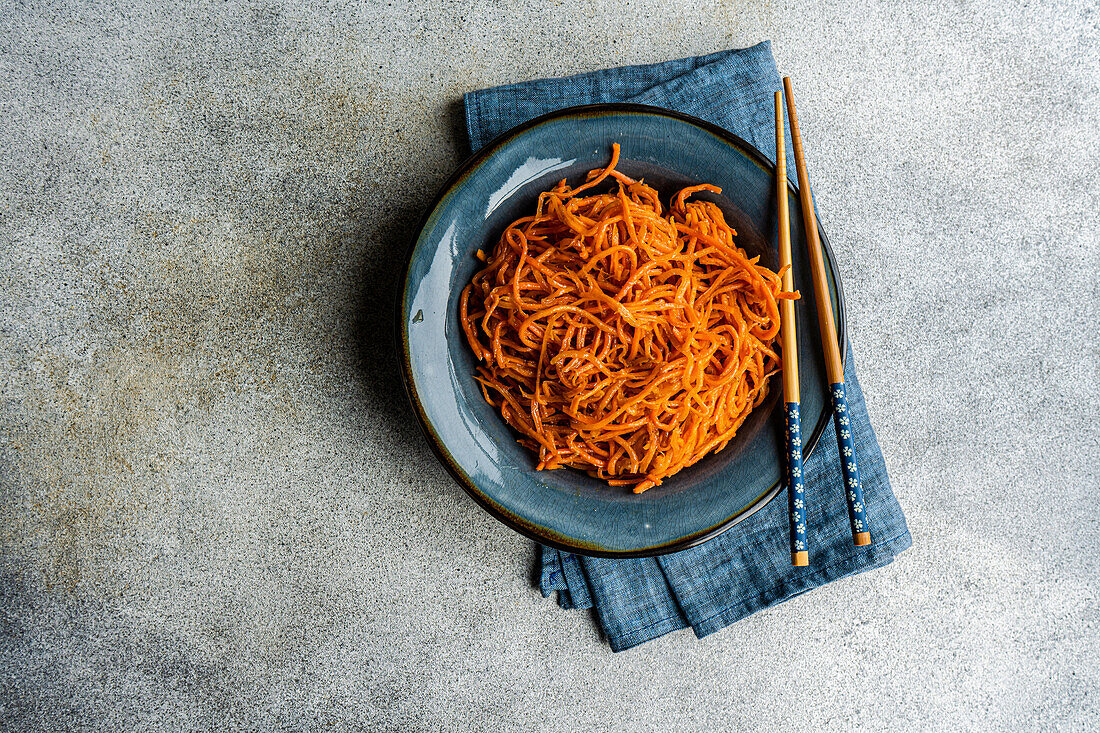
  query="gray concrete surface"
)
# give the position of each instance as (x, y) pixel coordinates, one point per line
(216, 511)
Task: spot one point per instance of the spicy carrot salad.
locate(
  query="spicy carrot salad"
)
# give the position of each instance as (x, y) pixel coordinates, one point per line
(619, 338)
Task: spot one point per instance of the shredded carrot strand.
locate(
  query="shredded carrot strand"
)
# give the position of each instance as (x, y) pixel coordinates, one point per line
(618, 338)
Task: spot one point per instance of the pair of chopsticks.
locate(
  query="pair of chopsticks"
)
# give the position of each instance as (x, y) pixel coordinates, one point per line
(834, 364)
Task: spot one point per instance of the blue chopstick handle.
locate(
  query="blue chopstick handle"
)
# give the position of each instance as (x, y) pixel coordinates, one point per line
(853, 488)
(796, 490)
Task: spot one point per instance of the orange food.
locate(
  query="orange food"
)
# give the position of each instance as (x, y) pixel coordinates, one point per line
(621, 339)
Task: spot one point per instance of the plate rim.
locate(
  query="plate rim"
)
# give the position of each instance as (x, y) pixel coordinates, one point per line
(535, 532)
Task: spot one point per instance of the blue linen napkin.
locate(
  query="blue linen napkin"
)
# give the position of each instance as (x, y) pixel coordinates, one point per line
(748, 567)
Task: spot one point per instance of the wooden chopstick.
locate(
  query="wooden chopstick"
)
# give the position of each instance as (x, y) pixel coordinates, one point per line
(834, 364)
(796, 496)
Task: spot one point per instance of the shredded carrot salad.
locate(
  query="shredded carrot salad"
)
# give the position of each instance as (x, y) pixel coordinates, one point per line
(621, 339)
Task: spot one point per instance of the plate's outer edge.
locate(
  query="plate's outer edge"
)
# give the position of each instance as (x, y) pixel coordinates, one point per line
(542, 534)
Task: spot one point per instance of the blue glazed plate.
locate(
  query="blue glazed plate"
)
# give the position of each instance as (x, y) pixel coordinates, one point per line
(566, 508)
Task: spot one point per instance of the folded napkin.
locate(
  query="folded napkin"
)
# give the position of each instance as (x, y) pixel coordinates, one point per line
(748, 567)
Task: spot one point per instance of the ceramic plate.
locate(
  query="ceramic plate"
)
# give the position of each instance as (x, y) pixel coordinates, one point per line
(566, 508)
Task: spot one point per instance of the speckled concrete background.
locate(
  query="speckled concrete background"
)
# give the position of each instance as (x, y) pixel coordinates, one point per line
(217, 512)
